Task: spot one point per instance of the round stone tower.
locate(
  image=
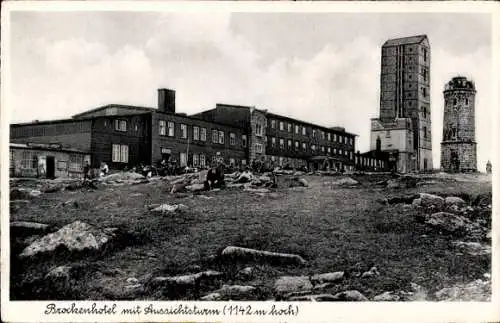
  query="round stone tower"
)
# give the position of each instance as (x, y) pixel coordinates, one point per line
(458, 148)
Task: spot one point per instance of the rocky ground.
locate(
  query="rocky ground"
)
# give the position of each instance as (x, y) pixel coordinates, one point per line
(295, 237)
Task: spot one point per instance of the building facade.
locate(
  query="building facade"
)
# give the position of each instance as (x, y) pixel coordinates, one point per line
(405, 121)
(458, 148)
(46, 161)
(125, 136)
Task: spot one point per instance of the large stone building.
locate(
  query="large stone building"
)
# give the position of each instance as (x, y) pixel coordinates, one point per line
(458, 148)
(404, 125)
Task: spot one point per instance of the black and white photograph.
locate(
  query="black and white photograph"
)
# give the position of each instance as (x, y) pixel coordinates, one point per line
(277, 157)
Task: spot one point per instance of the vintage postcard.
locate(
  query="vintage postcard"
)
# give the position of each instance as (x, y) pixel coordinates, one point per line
(249, 162)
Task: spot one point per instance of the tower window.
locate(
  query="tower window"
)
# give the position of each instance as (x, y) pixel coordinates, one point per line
(425, 132)
(455, 102)
(425, 54)
(424, 111)
(466, 101)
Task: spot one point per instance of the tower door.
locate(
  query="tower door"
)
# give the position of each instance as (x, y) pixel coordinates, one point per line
(51, 167)
(425, 164)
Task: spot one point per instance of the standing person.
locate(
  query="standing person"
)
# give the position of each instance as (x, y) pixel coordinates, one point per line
(86, 171)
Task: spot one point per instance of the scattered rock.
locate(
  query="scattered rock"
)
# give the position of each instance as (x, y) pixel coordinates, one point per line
(237, 292)
(454, 201)
(59, 273)
(345, 182)
(170, 209)
(350, 296)
(179, 188)
(386, 297)
(322, 286)
(447, 222)
(313, 298)
(257, 190)
(184, 280)
(370, 273)
(245, 177)
(212, 297)
(132, 280)
(247, 254)
(417, 202)
(77, 236)
(195, 187)
(289, 284)
(303, 182)
(328, 277)
(478, 291)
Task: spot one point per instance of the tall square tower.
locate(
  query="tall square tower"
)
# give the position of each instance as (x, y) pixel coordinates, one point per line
(404, 93)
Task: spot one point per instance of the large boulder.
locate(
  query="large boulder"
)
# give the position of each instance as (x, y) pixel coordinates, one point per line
(386, 297)
(350, 296)
(447, 222)
(289, 284)
(454, 201)
(77, 236)
(429, 200)
(237, 292)
(170, 209)
(247, 254)
(328, 277)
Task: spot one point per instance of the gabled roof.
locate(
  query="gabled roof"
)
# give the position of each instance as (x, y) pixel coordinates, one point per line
(405, 40)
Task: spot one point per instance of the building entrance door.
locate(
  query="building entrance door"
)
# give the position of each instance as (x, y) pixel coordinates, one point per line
(455, 162)
(51, 167)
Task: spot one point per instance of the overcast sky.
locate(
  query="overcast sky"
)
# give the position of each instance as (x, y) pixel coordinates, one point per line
(319, 67)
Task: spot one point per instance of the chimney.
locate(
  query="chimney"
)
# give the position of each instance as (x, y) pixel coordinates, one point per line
(166, 101)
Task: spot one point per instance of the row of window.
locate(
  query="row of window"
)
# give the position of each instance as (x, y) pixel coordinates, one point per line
(29, 160)
(455, 102)
(304, 146)
(315, 133)
(199, 133)
(369, 162)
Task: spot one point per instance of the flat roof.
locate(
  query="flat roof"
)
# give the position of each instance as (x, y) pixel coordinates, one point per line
(405, 40)
(35, 146)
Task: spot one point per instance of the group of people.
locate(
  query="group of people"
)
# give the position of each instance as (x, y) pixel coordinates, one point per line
(88, 172)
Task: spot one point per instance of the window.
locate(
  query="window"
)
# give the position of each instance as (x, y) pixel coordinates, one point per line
(329, 136)
(289, 127)
(296, 145)
(425, 54)
(120, 154)
(424, 111)
(297, 130)
(282, 126)
(273, 124)
(171, 129)
(215, 136)
(183, 159)
(346, 152)
(304, 131)
(345, 140)
(425, 132)
(243, 162)
(258, 129)
(203, 134)
(232, 139)
(231, 161)
(244, 140)
(388, 134)
(322, 149)
(289, 142)
(121, 125)
(273, 142)
(202, 160)
(313, 147)
(184, 132)
(196, 133)
(196, 160)
(62, 165)
(335, 137)
(351, 141)
(75, 163)
(282, 143)
(329, 150)
(162, 128)
(314, 132)
(258, 148)
(304, 146)
(335, 151)
(466, 102)
(424, 92)
(221, 137)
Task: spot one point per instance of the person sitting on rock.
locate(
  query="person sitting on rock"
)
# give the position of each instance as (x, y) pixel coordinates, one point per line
(104, 169)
